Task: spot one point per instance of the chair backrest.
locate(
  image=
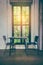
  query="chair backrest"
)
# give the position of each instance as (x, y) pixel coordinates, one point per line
(36, 39)
(4, 37)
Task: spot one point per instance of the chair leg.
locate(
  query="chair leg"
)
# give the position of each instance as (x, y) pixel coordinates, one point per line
(26, 46)
(38, 51)
(5, 49)
(26, 49)
(13, 48)
(10, 51)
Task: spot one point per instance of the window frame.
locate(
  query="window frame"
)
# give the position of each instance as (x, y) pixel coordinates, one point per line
(29, 22)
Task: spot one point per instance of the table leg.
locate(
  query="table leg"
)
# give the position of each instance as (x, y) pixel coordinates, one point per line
(10, 50)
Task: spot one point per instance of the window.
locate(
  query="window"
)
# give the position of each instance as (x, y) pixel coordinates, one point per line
(21, 23)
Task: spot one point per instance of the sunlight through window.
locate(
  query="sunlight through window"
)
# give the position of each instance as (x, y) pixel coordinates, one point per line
(21, 21)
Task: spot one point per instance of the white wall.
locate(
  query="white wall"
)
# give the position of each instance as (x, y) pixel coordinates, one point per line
(6, 20)
(34, 18)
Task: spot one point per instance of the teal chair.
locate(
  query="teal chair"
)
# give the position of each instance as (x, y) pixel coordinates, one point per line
(10, 44)
(32, 43)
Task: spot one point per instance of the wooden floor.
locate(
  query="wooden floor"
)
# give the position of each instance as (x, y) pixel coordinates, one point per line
(20, 57)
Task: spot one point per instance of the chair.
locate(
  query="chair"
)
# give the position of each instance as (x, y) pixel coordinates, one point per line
(33, 43)
(35, 40)
(7, 44)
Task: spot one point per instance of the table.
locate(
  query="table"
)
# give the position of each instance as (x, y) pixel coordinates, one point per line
(12, 38)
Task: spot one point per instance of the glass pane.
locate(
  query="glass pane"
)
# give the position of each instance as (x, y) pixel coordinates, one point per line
(25, 15)
(17, 15)
(16, 10)
(25, 31)
(25, 11)
(17, 33)
(17, 41)
(25, 19)
(17, 19)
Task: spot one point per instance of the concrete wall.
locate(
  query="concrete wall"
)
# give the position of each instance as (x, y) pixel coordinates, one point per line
(6, 20)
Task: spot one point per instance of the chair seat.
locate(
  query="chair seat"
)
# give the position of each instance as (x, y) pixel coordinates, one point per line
(34, 43)
(9, 44)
